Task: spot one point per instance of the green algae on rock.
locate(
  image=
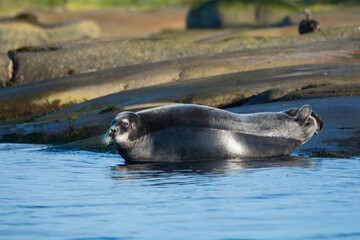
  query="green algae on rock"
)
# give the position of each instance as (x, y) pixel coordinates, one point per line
(327, 154)
(26, 111)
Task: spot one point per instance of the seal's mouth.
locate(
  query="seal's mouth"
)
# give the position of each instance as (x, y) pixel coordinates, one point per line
(119, 138)
(113, 135)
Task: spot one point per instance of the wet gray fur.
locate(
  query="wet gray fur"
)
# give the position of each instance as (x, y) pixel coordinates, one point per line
(192, 132)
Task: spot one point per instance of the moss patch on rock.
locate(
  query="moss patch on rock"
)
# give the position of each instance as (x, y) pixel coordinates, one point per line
(44, 138)
(315, 85)
(327, 154)
(29, 111)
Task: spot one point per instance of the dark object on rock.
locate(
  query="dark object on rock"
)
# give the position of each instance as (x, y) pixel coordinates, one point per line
(286, 21)
(308, 25)
(204, 16)
(22, 17)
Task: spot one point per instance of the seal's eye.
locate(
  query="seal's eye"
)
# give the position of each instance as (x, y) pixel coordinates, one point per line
(125, 124)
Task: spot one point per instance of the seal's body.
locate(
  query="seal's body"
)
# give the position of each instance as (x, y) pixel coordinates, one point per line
(193, 132)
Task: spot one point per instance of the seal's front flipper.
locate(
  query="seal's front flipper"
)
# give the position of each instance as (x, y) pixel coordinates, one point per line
(303, 114)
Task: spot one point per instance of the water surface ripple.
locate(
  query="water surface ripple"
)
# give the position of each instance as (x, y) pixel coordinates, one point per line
(83, 195)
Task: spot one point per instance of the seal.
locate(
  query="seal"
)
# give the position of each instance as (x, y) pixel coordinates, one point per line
(187, 132)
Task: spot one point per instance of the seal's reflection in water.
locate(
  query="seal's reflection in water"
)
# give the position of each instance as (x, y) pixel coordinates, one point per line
(210, 168)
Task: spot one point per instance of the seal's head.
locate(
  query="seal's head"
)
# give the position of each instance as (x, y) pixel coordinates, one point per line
(125, 128)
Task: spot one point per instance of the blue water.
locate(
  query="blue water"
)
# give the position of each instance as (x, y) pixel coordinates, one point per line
(48, 194)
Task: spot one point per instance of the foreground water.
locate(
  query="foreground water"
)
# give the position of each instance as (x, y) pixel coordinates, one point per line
(82, 195)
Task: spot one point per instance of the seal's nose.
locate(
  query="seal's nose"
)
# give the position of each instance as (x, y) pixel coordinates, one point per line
(112, 133)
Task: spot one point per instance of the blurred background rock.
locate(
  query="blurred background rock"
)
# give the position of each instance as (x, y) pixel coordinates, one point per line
(133, 18)
(47, 31)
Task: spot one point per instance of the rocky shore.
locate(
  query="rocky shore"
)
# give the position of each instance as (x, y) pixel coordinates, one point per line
(65, 94)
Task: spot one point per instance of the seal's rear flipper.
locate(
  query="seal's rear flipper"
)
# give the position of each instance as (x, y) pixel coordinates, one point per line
(291, 112)
(303, 114)
(318, 119)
